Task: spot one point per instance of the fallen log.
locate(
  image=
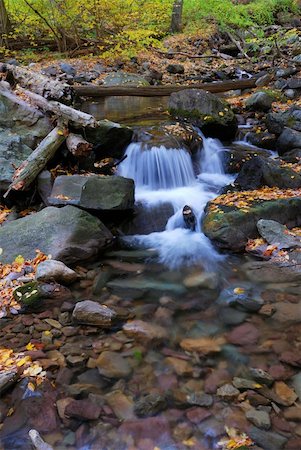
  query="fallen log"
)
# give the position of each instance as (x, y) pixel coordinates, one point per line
(73, 116)
(38, 83)
(160, 91)
(78, 146)
(37, 160)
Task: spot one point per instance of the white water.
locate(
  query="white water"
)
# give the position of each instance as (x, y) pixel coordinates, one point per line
(166, 176)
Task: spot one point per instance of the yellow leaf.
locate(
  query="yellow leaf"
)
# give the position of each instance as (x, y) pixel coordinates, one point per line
(31, 387)
(33, 370)
(189, 442)
(30, 346)
(23, 361)
(10, 412)
(19, 259)
(60, 133)
(238, 290)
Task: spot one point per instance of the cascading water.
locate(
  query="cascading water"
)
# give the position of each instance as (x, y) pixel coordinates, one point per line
(163, 176)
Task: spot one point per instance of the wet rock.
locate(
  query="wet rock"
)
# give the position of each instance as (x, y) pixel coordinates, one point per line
(213, 115)
(296, 382)
(146, 220)
(180, 366)
(259, 172)
(200, 399)
(227, 392)
(260, 101)
(68, 234)
(272, 272)
(287, 312)
(293, 413)
(156, 428)
(276, 234)
(82, 410)
(290, 118)
(260, 419)
(202, 345)
(288, 140)
(103, 193)
(140, 286)
(246, 334)
(230, 316)
(150, 405)
(175, 68)
(197, 415)
(122, 406)
(263, 139)
(92, 313)
(292, 358)
(267, 439)
(287, 395)
(243, 383)
(50, 270)
(293, 156)
(230, 227)
(244, 294)
(113, 365)
(261, 376)
(203, 280)
(141, 330)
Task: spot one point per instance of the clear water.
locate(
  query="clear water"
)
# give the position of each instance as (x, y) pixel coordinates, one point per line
(167, 176)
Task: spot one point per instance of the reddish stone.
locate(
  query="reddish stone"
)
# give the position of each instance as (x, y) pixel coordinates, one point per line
(197, 415)
(293, 444)
(83, 410)
(27, 321)
(291, 357)
(216, 379)
(245, 334)
(149, 428)
(45, 315)
(280, 372)
(281, 425)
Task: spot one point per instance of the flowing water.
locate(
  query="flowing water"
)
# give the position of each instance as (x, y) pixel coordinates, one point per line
(168, 176)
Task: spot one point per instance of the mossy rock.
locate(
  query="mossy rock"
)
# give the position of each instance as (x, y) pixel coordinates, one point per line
(28, 295)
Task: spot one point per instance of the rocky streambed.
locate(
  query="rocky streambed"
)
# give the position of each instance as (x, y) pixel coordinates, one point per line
(116, 351)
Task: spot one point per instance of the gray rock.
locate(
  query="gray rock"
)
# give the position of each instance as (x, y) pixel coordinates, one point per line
(288, 140)
(92, 313)
(175, 68)
(7, 379)
(260, 419)
(296, 382)
(294, 83)
(244, 295)
(291, 118)
(55, 270)
(293, 156)
(210, 113)
(227, 392)
(142, 285)
(67, 234)
(113, 365)
(50, 71)
(150, 405)
(272, 272)
(261, 376)
(297, 58)
(107, 193)
(277, 234)
(290, 93)
(124, 79)
(260, 101)
(267, 439)
(200, 399)
(45, 184)
(68, 69)
(231, 316)
(264, 80)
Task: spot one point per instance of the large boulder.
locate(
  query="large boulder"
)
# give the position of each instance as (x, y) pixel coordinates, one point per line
(237, 154)
(21, 118)
(231, 219)
(124, 79)
(291, 118)
(210, 113)
(67, 234)
(109, 138)
(97, 192)
(12, 153)
(260, 101)
(288, 140)
(259, 172)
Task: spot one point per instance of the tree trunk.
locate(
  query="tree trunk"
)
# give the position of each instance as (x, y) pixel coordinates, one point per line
(176, 18)
(78, 146)
(5, 25)
(37, 160)
(93, 90)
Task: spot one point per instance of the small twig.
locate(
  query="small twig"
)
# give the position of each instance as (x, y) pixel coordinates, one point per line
(238, 45)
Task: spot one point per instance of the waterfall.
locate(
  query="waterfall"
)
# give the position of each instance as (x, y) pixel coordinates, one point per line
(157, 167)
(166, 176)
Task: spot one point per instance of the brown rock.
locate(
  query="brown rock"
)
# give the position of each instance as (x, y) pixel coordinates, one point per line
(227, 392)
(92, 313)
(197, 415)
(216, 379)
(113, 365)
(245, 334)
(287, 394)
(291, 357)
(202, 345)
(180, 366)
(122, 406)
(139, 329)
(293, 413)
(287, 312)
(61, 405)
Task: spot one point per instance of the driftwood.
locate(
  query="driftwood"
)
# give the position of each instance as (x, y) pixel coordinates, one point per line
(37, 160)
(78, 146)
(73, 116)
(160, 91)
(38, 83)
